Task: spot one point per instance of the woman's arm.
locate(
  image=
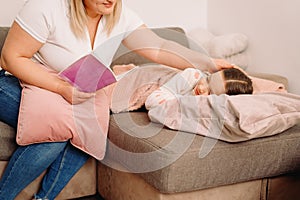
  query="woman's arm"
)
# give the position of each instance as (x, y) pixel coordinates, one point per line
(18, 49)
(149, 45)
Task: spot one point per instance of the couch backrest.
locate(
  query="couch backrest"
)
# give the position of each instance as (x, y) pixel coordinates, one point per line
(124, 56)
(3, 33)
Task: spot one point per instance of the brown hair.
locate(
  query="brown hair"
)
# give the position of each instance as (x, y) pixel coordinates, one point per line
(78, 17)
(237, 82)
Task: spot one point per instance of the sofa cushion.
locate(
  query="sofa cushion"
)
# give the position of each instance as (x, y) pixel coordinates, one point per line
(7, 141)
(169, 160)
(46, 116)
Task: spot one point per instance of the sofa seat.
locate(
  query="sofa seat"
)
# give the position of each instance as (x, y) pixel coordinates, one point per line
(7, 141)
(186, 171)
(114, 184)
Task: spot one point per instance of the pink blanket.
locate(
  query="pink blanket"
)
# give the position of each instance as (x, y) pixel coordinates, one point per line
(262, 85)
(269, 111)
(230, 118)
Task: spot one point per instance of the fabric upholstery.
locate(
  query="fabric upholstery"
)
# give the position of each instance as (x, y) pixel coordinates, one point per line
(124, 56)
(224, 164)
(7, 141)
(284, 187)
(3, 33)
(111, 186)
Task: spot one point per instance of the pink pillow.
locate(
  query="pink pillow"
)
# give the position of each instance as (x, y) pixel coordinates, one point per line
(45, 116)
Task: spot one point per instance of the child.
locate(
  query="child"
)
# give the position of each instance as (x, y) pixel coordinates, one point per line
(191, 81)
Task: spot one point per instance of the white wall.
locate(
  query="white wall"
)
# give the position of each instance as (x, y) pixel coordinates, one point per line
(273, 28)
(8, 11)
(188, 14)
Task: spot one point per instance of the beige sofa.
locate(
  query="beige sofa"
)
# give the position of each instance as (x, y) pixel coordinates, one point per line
(260, 169)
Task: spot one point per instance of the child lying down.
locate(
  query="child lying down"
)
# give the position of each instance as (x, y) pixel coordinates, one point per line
(221, 106)
(193, 81)
(180, 101)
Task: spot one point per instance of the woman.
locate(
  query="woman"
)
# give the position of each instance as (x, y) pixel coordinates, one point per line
(54, 34)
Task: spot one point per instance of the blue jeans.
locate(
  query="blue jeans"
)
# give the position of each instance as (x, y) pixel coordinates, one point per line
(60, 158)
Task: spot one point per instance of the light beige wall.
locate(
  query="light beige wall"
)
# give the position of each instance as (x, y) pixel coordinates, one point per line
(273, 28)
(188, 14)
(8, 11)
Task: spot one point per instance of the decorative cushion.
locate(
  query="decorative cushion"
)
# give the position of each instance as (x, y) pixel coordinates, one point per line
(231, 47)
(45, 116)
(227, 45)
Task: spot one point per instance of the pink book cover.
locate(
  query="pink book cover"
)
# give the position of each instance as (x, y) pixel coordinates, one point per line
(88, 74)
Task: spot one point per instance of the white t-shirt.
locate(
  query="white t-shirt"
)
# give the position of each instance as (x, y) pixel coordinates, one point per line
(48, 22)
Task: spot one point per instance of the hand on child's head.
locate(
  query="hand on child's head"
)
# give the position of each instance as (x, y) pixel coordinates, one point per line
(222, 64)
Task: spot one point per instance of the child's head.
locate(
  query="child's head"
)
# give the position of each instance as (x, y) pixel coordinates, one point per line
(230, 81)
(237, 82)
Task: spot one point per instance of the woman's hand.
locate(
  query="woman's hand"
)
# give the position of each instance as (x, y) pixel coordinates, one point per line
(221, 64)
(120, 69)
(71, 94)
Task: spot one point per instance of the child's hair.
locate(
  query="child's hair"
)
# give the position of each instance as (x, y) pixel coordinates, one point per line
(237, 82)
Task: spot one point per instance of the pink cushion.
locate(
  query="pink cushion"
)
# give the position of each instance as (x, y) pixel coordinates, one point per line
(45, 116)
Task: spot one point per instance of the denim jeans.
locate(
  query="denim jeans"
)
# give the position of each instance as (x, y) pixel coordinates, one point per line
(60, 158)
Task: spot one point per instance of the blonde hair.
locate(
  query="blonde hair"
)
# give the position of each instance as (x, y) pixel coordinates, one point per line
(78, 17)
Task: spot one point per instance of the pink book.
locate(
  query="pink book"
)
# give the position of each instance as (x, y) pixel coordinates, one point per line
(88, 74)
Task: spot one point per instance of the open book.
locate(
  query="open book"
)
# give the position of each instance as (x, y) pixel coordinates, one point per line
(88, 74)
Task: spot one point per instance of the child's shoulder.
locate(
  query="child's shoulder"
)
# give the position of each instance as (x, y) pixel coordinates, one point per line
(192, 72)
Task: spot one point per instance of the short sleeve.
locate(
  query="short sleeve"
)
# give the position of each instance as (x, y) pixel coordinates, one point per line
(35, 17)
